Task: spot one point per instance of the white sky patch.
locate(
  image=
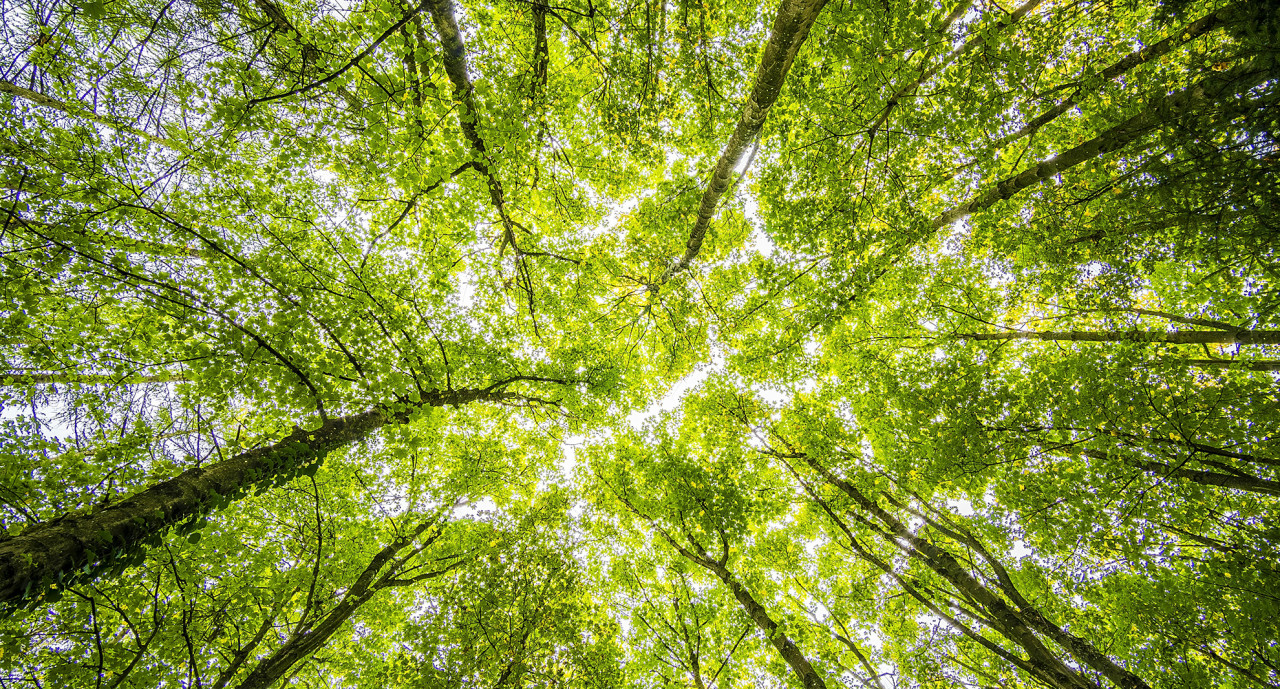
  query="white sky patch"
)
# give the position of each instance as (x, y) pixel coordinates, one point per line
(961, 506)
(1093, 269)
(677, 391)
(470, 509)
(1020, 549)
(569, 453)
(774, 398)
(669, 401)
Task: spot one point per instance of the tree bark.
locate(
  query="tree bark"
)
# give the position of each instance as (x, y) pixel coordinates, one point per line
(1188, 33)
(1243, 337)
(82, 111)
(809, 678)
(1159, 111)
(791, 654)
(1040, 663)
(1269, 365)
(81, 544)
(455, 65)
(790, 29)
(1016, 624)
(306, 641)
(47, 377)
(1251, 484)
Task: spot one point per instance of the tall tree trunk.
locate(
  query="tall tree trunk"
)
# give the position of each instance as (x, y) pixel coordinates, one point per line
(1251, 484)
(455, 65)
(79, 544)
(1017, 624)
(790, 652)
(1243, 337)
(790, 29)
(799, 664)
(1266, 365)
(310, 638)
(1040, 663)
(1159, 111)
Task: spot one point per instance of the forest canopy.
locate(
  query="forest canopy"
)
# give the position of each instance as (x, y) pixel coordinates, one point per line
(875, 344)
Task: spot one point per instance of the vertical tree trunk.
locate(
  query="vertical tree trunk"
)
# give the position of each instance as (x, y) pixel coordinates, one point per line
(455, 65)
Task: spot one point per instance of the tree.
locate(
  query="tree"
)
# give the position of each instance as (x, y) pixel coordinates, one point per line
(637, 343)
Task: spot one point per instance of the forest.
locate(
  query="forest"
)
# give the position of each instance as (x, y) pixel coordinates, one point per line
(587, 344)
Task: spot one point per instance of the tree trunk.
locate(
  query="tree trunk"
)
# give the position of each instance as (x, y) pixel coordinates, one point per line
(306, 641)
(47, 377)
(786, 648)
(790, 29)
(799, 664)
(1268, 365)
(1015, 624)
(81, 544)
(1243, 337)
(1188, 33)
(1040, 663)
(1251, 484)
(82, 111)
(455, 65)
(1159, 111)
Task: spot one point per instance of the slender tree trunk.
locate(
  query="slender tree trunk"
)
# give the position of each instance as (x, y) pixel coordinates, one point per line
(809, 678)
(79, 544)
(541, 56)
(82, 111)
(1018, 625)
(790, 29)
(1040, 663)
(1268, 365)
(1243, 337)
(1251, 484)
(1159, 111)
(791, 654)
(307, 640)
(455, 65)
(1188, 33)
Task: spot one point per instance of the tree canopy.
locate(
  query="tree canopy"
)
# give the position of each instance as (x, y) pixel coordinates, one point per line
(624, 343)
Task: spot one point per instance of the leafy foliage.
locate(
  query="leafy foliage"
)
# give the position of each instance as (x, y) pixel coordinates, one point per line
(633, 343)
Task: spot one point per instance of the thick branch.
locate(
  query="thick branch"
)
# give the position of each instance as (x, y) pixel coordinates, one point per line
(1243, 337)
(76, 544)
(787, 648)
(1190, 32)
(78, 110)
(1251, 484)
(272, 668)
(790, 29)
(1169, 108)
(455, 65)
(1010, 622)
